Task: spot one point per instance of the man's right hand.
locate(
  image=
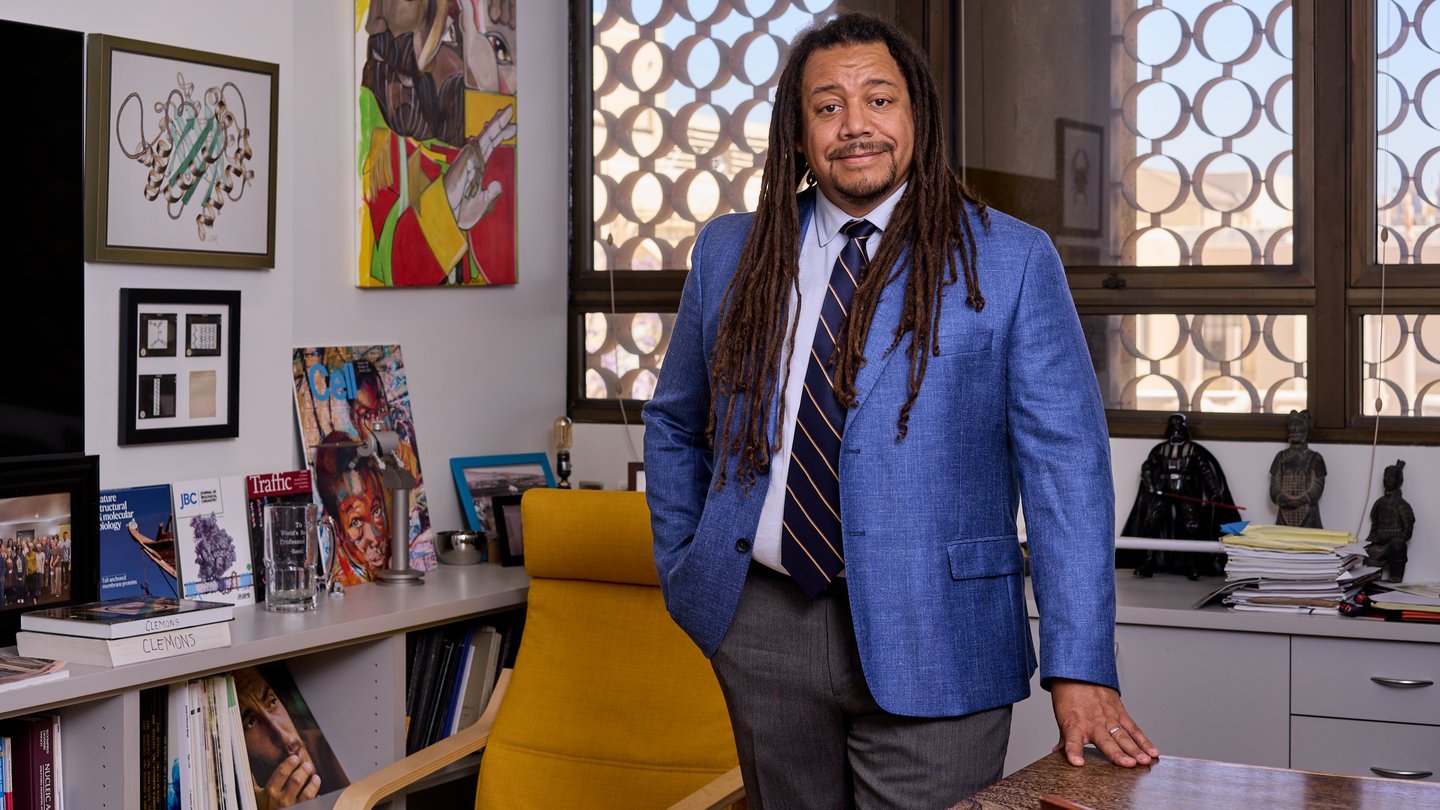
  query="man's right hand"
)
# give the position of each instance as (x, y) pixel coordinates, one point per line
(292, 782)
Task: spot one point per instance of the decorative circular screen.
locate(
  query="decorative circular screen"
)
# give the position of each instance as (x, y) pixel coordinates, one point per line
(1407, 132)
(682, 97)
(1203, 129)
(1208, 363)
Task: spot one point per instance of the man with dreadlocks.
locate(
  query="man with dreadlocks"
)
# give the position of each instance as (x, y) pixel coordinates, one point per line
(841, 433)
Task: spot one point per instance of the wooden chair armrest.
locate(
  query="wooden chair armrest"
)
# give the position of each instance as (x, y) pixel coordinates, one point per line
(365, 793)
(726, 789)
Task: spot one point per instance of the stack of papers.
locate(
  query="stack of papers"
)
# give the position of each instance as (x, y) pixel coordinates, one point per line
(1289, 569)
(1421, 596)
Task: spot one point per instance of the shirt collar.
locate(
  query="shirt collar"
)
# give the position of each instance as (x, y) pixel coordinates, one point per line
(829, 219)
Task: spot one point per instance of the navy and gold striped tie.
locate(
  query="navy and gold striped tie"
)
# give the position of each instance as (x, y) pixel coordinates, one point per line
(810, 543)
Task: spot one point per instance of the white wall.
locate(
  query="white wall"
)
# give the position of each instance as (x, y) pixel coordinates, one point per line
(486, 366)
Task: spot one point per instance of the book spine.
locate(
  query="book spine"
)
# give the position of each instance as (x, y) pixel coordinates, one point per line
(57, 742)
(153, 770)
(177, 742)
(9, 771)
(425, 671)
(43, 763)
(443, 689)
(118, 630)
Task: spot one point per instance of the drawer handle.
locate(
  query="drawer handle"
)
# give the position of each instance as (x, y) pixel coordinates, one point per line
(1402, 683)
(1403, 774)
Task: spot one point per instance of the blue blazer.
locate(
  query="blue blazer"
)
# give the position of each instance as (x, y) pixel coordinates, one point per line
(1009, 408)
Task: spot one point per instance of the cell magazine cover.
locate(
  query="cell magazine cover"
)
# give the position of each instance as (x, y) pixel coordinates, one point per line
(137, 543)
(342, 393)
(214, 540)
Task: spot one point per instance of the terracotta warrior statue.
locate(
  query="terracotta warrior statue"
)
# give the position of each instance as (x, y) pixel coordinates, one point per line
(1392, 521)
(1297, 477)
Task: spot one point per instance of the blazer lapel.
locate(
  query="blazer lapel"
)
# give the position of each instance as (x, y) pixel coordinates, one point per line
(805, 202)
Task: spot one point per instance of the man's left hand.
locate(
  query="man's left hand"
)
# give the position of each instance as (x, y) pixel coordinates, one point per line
(1088, 712)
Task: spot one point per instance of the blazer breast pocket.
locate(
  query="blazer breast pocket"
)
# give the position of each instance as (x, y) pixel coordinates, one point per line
(962, 339)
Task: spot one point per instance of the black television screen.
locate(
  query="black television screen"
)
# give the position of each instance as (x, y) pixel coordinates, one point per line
(42, 388)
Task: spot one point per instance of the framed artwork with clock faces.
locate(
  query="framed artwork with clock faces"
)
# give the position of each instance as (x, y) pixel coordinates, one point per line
(179, 365)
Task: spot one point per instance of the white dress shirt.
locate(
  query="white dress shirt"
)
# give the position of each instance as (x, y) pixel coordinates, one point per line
(819, 248)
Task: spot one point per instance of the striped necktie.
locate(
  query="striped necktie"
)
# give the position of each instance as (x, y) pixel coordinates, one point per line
(810, 542)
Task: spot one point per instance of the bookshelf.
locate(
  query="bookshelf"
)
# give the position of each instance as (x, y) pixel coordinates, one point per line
(347, 657)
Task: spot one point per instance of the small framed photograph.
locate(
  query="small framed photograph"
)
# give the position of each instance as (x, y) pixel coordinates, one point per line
(180, 156)
(202, 335)
(480, 479)
(1080, 172)
(157, 334)
(50, 546)
(172, 395)
(506, 509)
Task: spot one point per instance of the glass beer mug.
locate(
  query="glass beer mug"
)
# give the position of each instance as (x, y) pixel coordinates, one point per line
(293, 561)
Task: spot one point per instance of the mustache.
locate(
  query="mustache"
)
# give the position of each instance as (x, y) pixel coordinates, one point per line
(859, 147)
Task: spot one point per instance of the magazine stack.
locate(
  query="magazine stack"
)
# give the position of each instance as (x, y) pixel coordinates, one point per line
(123, 631)
(244, 740)
(1290, 569)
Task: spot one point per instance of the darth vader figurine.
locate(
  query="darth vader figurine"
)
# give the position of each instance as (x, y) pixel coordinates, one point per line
(1182, 496)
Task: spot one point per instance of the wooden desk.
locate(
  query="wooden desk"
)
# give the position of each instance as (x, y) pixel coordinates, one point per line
(1178, 782)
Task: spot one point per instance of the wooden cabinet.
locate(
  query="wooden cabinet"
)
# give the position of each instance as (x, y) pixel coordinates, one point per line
(347, 657)
(1313, 692)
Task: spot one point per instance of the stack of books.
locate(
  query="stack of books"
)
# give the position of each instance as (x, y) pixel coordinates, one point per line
(1289, 569)
(124, 631)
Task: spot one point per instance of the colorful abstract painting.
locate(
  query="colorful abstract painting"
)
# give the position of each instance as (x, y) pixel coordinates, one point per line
(436, 142)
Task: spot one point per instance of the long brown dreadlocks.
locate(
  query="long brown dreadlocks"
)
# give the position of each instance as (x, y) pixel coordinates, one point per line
(929, 227)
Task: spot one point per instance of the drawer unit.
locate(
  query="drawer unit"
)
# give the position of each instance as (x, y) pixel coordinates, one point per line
(1394, 681)
(1361, 748)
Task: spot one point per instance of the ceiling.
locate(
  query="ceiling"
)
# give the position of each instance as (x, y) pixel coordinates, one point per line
(23, 509)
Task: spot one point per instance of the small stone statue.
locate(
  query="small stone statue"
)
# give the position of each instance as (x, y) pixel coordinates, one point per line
(1392, 521)
(1297, 477)
(1183, 495)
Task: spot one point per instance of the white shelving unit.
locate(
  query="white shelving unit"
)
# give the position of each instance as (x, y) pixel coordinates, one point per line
(348, 658)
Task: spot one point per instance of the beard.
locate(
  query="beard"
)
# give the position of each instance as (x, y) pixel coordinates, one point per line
(870, 186)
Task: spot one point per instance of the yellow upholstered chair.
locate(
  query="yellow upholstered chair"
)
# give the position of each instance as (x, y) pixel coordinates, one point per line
(609, 704)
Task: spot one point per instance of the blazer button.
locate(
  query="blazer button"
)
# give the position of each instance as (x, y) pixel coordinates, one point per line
(742, 545)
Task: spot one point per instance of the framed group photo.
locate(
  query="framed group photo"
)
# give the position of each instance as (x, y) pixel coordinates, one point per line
(49, 535)
(489, 488)
(180, 156)
(179, 365)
